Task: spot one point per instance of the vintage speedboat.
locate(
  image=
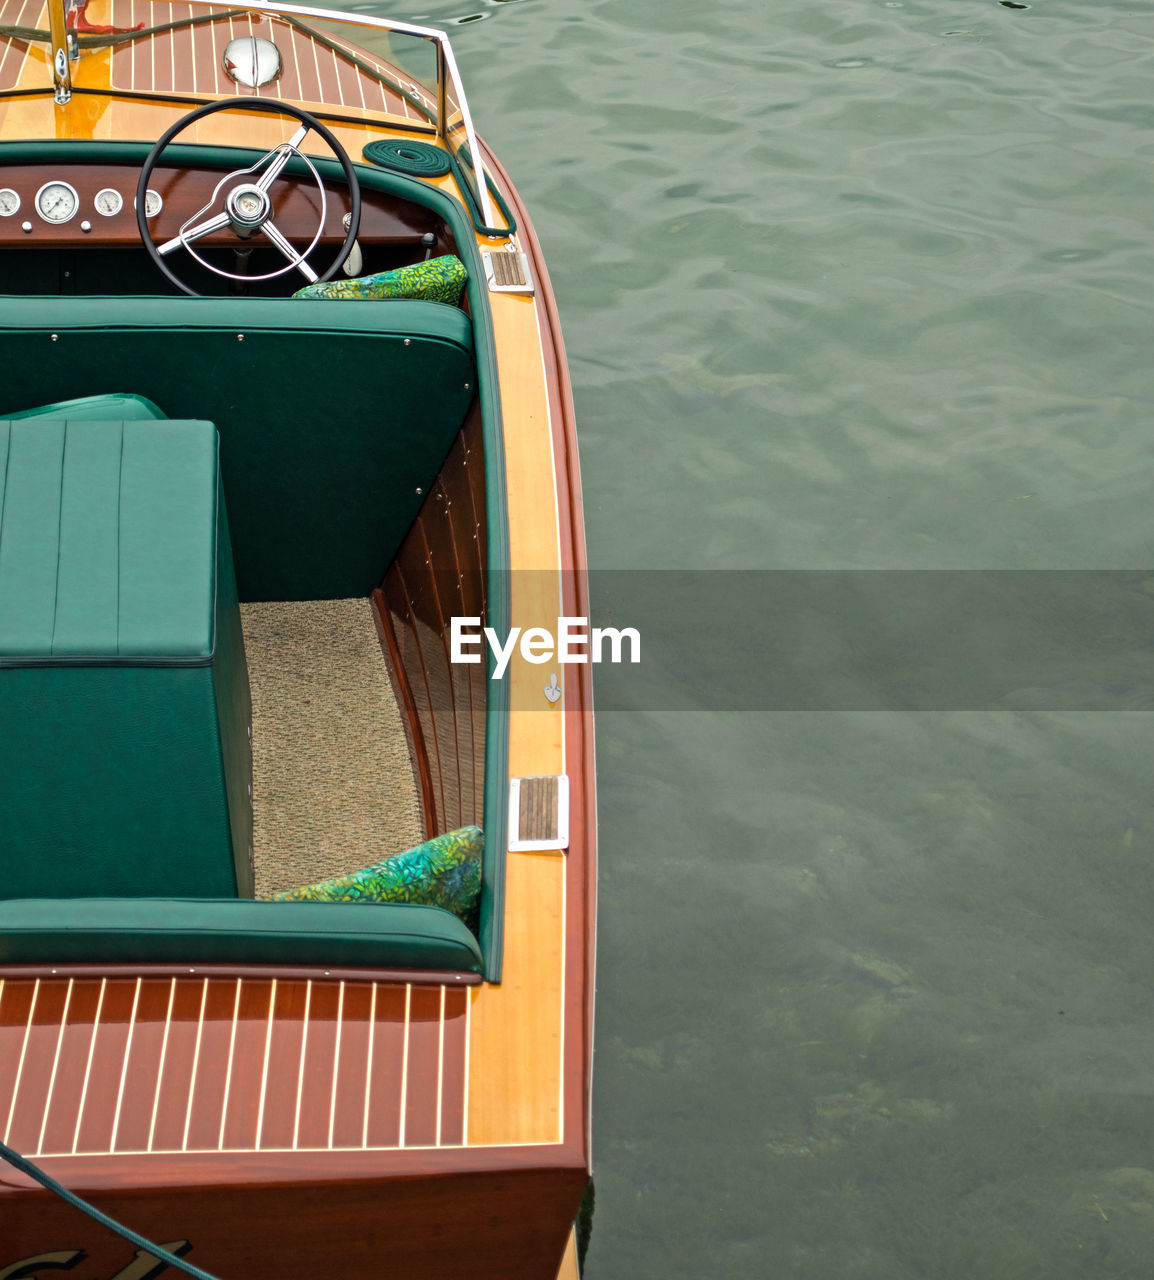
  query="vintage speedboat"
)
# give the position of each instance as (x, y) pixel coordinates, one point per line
(296, 934)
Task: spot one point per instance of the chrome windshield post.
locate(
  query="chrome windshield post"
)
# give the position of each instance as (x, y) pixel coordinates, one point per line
(59, 61)
(442, 94)
(447, 65)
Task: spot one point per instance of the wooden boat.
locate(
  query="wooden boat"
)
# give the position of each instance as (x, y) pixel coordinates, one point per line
(280, 1088)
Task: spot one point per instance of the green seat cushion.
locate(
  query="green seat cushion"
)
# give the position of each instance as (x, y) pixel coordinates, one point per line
(124, 702)
(442, 872)
(116, 406)
(232, 931)
(108, 539)
(437, 280)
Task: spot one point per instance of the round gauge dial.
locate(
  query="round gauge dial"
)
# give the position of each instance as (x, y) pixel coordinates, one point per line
(57, 201)
(108, 201)
(9, 202)
(152, 203)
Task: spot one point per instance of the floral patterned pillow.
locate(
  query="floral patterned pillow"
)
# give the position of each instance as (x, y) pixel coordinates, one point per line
(442, 872)
(436, 280)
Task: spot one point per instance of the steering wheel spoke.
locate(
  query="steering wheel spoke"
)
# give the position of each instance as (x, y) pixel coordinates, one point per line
(248, 206)
(281, 156)
(206, 228)
(296, 259)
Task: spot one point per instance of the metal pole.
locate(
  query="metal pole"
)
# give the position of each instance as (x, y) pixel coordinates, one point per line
(61, 70)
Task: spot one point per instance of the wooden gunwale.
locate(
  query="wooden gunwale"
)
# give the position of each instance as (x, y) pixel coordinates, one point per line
(579, 737)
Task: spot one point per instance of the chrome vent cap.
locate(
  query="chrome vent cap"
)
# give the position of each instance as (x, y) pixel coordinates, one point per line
(252, 61)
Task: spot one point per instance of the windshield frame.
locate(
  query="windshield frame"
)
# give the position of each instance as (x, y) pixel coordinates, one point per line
(65, 47)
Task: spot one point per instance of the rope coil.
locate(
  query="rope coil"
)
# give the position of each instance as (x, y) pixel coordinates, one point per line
(423, 160)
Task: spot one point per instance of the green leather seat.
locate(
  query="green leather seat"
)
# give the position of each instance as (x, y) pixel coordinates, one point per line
(124, 704)
(196, 931)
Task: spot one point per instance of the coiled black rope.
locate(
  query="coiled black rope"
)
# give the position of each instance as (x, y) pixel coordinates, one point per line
(17, 1161)
(406, 156)
(423, 160)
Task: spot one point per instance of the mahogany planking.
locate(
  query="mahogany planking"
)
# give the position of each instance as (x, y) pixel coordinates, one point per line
(439, 572)
(405, 696)
(428, 1223)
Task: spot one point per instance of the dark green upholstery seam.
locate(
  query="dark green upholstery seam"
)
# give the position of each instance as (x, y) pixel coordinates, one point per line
(210, 931)
(4, 491)
(59, 531)
(119, 511)
(216, 512)
(133, 661)
(218, 726)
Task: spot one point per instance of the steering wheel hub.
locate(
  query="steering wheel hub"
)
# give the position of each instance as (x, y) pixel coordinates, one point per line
(248, 208)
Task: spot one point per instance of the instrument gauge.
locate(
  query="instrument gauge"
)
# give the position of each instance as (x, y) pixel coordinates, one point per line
(152, 203)
(9, 202)
(57, 202)
(109, 202)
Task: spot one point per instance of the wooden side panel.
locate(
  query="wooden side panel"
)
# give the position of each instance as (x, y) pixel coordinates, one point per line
(497, 1224)
(439, 574)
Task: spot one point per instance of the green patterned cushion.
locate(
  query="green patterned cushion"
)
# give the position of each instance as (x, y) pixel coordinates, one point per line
(437, 280)
(442, 872)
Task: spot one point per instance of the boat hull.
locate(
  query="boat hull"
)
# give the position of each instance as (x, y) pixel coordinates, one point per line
(503, 1213)
(292, 1122)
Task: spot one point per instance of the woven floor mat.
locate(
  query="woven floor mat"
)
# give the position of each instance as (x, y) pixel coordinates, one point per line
(333, 785)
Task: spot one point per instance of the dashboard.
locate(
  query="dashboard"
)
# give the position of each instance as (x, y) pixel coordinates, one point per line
(48, 205)
(58, 202)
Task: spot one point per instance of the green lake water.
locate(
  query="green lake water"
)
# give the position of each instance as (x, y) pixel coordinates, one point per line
(858, 285)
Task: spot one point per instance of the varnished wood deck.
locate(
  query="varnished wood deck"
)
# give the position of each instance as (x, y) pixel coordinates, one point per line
(186, 60)
(193, 1065)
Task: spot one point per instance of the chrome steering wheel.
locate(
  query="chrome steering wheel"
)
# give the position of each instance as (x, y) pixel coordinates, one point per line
(246, 207)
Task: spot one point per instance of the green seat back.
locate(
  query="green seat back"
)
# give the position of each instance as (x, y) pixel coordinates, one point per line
(334, 418)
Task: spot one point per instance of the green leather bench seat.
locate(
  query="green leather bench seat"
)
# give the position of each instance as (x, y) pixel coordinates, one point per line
(334, 420)
(124, 702)
(197, 931)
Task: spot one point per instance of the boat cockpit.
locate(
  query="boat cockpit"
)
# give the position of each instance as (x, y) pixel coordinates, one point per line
(247, 388)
